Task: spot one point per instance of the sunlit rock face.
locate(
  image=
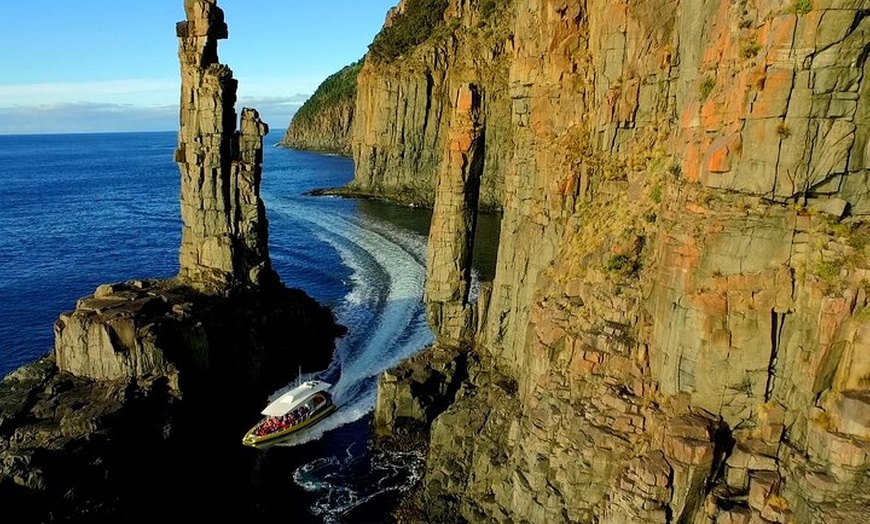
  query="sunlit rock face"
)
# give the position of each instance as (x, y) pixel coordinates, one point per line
(454, 219)
(404, 105)
(678, 325)
(324, 121)
(224, 240)
(226, 314)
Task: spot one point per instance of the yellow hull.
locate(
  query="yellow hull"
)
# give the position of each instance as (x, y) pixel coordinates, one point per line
(252, 440)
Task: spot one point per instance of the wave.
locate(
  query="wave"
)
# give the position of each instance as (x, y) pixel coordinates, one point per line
(357, 481)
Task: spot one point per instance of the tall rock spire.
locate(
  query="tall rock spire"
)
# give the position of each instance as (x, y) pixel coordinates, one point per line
(224, 241)
(454, 220)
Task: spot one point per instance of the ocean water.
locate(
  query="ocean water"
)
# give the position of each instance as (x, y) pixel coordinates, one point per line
(80, 210)
(77, 211)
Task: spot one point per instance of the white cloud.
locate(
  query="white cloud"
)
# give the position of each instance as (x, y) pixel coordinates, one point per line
(139, 92)
(86, 117)
(275, 87)
(125, 105)
(275, 111)
(107, 116)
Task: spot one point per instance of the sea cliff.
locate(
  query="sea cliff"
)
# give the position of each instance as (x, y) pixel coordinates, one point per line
(324, 121)
(404, 86)
(675, 331)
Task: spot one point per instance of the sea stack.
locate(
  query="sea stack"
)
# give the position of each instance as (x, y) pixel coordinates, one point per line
(454, 219)
(227, 314)
(144, 364)
(224, 242)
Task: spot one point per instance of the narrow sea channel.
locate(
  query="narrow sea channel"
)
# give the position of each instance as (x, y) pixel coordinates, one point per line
(81, 210)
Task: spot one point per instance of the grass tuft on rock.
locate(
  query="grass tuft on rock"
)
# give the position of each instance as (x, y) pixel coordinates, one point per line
(802, 7)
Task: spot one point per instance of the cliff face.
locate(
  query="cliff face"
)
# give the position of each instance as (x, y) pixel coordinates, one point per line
(324, 121)
(676, 330)
(403, 104)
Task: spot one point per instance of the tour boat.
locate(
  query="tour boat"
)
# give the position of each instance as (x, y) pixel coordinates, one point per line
(301, 407)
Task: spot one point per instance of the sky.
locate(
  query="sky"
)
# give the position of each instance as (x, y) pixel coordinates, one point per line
(109, 65)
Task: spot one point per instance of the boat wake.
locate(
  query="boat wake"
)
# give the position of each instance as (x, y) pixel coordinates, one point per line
(383, 311)
(357, 481)
(386, 322)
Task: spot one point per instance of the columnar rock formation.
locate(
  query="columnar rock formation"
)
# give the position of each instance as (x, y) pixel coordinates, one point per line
(403, 107)
(225, 236)
(126, 331)
(677, 327)
(144, 365)
(454, 217)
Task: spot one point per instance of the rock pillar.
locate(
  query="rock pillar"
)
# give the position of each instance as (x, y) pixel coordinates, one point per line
(454, 219)
(224, 242)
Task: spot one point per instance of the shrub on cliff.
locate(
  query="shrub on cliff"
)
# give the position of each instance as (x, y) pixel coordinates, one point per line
(409, 29)
(490, 8)
(337, 88)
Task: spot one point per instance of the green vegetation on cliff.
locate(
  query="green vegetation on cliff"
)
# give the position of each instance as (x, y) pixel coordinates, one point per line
(337, 88)
(409, 28)
(491, 8)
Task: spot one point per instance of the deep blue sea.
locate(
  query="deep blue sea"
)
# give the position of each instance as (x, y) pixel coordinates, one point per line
(80, 210)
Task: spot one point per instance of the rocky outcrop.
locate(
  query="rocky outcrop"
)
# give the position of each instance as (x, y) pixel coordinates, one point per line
(675, 329)
(150, 380)
(324, 121)
(413, 394)
(224, 240)
(58, 458)
(120, 332)
(142, 331)
(141, 447)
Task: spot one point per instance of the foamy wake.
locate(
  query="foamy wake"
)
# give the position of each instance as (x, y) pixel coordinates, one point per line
(386, 323)
(354, 480)
(383, 310)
